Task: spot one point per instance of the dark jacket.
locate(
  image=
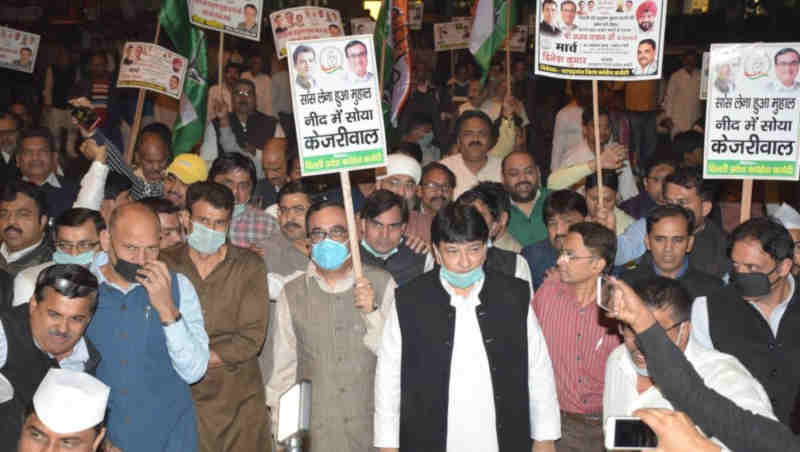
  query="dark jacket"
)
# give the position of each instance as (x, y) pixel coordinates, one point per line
(710, 252)
(541, 256)
(39, 255)
(404, 265)
(638, 206)
(6, 291)
(697, 282)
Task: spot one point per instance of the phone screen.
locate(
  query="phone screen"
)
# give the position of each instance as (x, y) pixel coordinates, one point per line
(634, 434)
(603, 294)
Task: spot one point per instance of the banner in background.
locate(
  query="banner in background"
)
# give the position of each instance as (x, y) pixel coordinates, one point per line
(302, 23)
(452, 35)
(704, 77)
(240, 18)
(152, 67)
(362, 26)
(614, 40)
(752, 113)
(18, 49)
(415, 14)
(337, 104)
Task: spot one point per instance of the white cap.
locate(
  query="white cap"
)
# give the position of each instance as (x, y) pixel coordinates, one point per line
(788, 216)
(401, 164)
(6, 390)
(70, 402)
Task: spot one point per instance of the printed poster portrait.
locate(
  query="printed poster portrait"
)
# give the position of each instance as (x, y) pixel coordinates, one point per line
(18, 49)
(152, 67)
(241, 18)
(451, 35)
(337, 105)
(304, 23)
(752, 112)
(600, 40)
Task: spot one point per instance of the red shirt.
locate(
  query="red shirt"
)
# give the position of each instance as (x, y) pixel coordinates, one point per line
(579, 340)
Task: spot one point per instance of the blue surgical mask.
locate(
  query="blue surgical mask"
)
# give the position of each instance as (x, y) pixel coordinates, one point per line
(329, 254)
(239, 209)
(375, 253)
(462, 280)
(426, 140)
(641, 371)
(205, 240)
(60, 257)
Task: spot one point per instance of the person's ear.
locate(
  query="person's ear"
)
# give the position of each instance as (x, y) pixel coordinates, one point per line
(785, 266)
(105, 240)
(600, 265)
(185, 218)
(99, 440)
(419, 190)
(32, 304)
(362, 226)
(503, 220)
(43, 220)
(691, 244)
(706, 208)
(647, 241)
(436, 256)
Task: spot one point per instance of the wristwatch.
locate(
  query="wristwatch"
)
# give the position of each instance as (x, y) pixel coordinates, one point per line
(177, 319)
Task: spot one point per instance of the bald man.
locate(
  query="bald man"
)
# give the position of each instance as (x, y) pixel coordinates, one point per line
(275, 162)
(151, 329)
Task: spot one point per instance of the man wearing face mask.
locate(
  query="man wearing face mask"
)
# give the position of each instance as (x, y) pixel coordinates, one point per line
(250, 226)
(76, 234)
(420, 131)
(463, 346)
(328, 328)
(628, 386)
(756, 318)
(232, 285)
(383, 223)
(152, 330)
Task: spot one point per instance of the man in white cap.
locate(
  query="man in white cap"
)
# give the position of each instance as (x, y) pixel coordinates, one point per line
(68, 411)
(402, 176)
(791, 220)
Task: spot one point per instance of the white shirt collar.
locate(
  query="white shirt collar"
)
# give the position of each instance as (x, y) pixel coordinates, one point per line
(51, 179)
(16, 255)
(338, 286)
(6, 156)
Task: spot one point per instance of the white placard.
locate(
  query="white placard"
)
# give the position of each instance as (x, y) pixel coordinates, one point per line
(240, 18)
(452, 35)
(752, 112)
(613, 40)
(704, 77)
(18, 49)
(337, 105)
(415, 14)
(362, 26)
(152, 67)
(303, 23)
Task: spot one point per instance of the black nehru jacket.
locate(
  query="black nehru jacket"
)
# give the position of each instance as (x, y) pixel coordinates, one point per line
(710, 251)
(696, 282)
(739, 329)
(26, 365)
(427, 324)
(404, 265)
(6, 290)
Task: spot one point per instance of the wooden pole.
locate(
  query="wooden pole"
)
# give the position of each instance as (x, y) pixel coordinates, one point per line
(452, 63)
(596, 122)
(508, 47)
(220, 62)
(137, 117)
(747, 200)
(355, 247)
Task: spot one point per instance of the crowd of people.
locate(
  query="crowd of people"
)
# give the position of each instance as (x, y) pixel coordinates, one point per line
(512, 296)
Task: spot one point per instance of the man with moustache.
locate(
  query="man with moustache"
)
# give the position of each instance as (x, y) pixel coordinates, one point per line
(47, 332)
(435, 190)
(275, 170)
(37, 160)
(23, 222)
(475, 135)
(646, 15)
(646, 57)
(568, 12)
(787, 62)
(153, 152)
(10, 126)
(521, 178)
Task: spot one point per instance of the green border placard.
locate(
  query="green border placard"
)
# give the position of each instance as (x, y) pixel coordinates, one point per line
(323, 164)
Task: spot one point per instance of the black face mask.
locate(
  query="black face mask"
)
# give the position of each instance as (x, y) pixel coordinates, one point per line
(752, 285)
(127, 270)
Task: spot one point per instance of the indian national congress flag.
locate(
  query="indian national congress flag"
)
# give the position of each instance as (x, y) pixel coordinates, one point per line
(489, 28)
(190, 42)
(394, 59)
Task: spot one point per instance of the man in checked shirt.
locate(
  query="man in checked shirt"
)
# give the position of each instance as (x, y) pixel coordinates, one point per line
(578, 335)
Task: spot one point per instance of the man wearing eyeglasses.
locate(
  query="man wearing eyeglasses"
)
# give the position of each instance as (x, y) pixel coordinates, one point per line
(401, 177)
(578, 336)
(434, 191)
(628, 386)
(231, 282)
(47, 332)
(787, 65)
(358, 62)
(328, 328)
(77, 239)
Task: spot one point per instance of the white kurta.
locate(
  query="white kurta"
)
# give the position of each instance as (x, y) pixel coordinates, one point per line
(567, 133)
(581, 153)
(682, 100)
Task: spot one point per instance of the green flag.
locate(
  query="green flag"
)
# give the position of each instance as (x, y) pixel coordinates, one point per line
(393, 57)
(489, 27)
(190, 42)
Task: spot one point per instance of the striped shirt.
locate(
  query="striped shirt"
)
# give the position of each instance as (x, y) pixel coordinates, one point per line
(580, 340)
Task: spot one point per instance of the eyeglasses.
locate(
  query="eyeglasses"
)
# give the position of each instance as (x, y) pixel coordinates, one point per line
(82, 246)
(397, 183)
(244, 93)
(787, 63)
(337, 233)
(433, 186)
(357, 55)
(570, 257)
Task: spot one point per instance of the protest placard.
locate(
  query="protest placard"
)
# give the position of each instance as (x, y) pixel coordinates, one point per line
(240, 18)
(452, 35)
(704, 77)
(613, 40)
(362, 26)
(752, 112)
(337, 104)
(303, 23)
(415, 14)
(18, 49)
(519, 39)
(152, 67)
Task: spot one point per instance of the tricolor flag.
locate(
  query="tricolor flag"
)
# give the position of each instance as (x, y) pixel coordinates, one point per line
(489, 29)
(394, 57)
(190, 42)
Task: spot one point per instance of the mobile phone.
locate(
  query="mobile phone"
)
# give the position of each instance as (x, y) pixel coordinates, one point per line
(86, 117)
(294, 411)
(629, 433)
(603, 292)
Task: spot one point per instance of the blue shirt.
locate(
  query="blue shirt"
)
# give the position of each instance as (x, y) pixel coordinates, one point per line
(681, 271)
(630, 244)
(187, 340)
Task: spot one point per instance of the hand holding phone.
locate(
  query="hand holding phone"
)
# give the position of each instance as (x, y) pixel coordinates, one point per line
(629, 433)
